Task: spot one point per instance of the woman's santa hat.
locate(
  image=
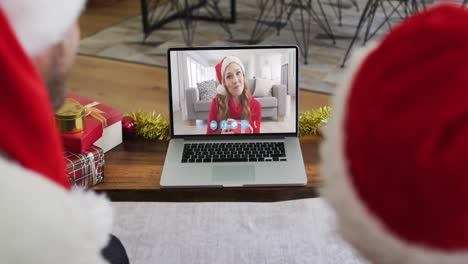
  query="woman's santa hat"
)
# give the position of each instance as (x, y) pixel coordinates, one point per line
(396, 149)
(220, 68)
(38, 24)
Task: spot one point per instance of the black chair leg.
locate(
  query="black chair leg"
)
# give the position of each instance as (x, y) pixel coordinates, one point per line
(327, 28)
(355, 3)
(368, 16)
(362, 19)
(213, 10)
(267, 9)
(370, 21)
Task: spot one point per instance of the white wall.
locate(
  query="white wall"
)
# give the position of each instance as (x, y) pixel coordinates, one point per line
(179, 80)
(250, 67)
(200, 59)
(275, 64)
(290, 59)
(175, 82)
(292, 73)
(268, 67)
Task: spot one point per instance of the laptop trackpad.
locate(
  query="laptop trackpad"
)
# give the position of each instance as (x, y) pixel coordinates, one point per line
(233, 175)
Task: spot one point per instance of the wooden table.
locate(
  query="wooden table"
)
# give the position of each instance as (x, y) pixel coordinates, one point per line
(133, 170)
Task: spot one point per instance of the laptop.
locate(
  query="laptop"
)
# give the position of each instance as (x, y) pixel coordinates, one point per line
(224, 134)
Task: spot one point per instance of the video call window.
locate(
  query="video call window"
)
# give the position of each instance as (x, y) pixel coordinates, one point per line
(233, 91)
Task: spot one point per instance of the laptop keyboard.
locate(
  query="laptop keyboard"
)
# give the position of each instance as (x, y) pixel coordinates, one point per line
(233, 152)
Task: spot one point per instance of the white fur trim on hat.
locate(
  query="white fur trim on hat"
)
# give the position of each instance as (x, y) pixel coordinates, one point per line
(221, 90)
(231, 59)
(226, 61)
(38, 24)
(355, 222)
(44, 223)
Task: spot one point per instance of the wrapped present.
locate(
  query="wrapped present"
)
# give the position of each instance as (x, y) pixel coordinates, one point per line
(85, 169)
(111, 137)
(102, 126)
(79, 130)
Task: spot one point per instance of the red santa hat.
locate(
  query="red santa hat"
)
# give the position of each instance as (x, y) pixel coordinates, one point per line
(395, 151)
(221, 67)
(40, 23)
(28, 28)
(33, 180)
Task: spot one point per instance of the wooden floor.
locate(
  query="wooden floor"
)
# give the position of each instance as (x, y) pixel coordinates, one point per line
(104, 13)
(129, 86)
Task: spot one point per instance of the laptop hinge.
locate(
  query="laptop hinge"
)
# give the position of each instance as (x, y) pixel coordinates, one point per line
(236, 138)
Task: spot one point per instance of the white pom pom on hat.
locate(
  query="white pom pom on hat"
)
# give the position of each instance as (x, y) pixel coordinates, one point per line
(38, 24)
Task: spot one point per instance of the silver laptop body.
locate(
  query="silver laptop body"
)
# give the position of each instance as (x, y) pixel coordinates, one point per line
(270, 158)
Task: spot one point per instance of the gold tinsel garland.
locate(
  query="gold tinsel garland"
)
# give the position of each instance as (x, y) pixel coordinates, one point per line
(154, 126)
(151, 125)
(312, 120)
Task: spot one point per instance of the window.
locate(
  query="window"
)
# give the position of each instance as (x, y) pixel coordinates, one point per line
(198, 72)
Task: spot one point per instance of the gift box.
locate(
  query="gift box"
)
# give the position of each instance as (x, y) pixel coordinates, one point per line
(111, 137)
(102, 127)
(85, 169)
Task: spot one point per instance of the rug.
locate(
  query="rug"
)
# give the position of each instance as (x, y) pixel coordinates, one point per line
(124, 41)
(293, 232)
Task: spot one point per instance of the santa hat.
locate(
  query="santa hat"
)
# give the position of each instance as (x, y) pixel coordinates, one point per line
(221, 67)
(33, 183)
(38, 24)
(395, 151)
(29, 121)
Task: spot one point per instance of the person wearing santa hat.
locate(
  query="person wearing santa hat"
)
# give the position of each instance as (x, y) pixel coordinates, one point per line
(394, 159)
(233, 102)
(43, 220)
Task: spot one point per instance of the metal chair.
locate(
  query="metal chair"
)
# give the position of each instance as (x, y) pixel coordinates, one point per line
(308, 13)
(157, 13)
(338, 8)
(367, 17)
(272, 14)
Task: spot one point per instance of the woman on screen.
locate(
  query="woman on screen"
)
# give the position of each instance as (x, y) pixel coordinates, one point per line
(233, 110)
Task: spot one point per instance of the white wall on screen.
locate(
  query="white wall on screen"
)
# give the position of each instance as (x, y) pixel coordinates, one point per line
(175, 82)
(268, 66)
(292, 73)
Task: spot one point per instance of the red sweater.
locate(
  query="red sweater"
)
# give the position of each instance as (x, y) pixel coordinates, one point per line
(235, 113)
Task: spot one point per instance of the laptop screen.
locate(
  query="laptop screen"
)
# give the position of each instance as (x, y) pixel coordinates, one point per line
(233, 90)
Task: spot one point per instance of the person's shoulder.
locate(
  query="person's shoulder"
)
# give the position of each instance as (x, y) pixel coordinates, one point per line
(254, 103)
(215, 99)
(45, 211)
(214, 103)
